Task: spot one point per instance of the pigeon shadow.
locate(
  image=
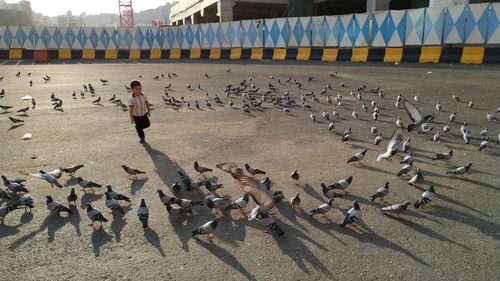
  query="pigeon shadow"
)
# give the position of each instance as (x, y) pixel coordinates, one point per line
(479, 184)
(313, 193)
(374, 169)
(15, 126)
(181, 229)
(137, 184)
(118, 224)
(154, 239)
(287, 212)
(486, 227)
(458, 203)
(52, 223)
(71, 181)
(300, 253)
(99, 238)
(75, 219)
(8, 230)
(89, 198)
(26, 217)
(225, 257)
(427, 231)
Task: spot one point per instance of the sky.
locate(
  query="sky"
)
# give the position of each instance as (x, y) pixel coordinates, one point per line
(60, 7)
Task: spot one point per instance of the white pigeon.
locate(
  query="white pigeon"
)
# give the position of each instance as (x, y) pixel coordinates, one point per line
(392, 147)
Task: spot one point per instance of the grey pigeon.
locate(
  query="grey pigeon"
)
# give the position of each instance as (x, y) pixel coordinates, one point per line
(112, 204)
(396, 208)
(425, 198)
(55, 206)
(381, 192)
(132, 171)
(95, 215)
(207, 228)
(352, 215)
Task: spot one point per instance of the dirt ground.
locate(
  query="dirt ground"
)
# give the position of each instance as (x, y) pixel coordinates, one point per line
(456, 238)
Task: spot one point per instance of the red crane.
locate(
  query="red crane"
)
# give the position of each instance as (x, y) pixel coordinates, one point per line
(126, 13)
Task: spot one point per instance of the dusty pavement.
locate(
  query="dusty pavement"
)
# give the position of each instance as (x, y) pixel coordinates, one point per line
(457, 238)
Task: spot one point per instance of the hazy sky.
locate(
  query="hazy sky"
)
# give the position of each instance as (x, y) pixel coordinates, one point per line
(59, 7)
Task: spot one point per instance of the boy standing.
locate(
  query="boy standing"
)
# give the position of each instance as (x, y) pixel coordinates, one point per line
(139, 109)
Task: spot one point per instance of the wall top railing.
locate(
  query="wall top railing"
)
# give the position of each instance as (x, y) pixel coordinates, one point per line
(472, 24)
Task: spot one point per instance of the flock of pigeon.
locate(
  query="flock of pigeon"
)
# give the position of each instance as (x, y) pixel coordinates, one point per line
(252, 183)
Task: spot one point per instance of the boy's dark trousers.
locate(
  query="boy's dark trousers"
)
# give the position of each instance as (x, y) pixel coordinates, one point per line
(141, 123)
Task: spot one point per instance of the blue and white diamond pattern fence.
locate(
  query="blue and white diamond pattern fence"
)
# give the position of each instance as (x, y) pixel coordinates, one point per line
(414, 27)
(276, 33)
(476, 28)
(300, 32)
(361, 30)
(188, 37)
(33, 38)
(331, 30)
(230, 31)
(318, 31)
(20, 37)
(398, 36)
(433, 26)
(379, 24)
(346, 30)
(494, 24)
(454, 25)
(252, 33)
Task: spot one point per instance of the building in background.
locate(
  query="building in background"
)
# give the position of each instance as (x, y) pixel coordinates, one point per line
(203, 11)
(70, 20)
(16, 13)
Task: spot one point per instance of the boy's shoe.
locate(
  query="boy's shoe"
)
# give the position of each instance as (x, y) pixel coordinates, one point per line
(142, 140)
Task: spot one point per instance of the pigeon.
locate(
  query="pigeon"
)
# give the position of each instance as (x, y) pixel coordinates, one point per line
(115, 195)
(331, 126)
(4, 194)
(239, 204)
(406, 169)
(396, 208)
(185, 180)
(270, 224)
(375, 116)
(312, 116)
(322, 209)
(112, 204)
(453, 116)
(374, 129)
(484, 144)
(417, 179)
(414, 115)
(23, 110)
(342, 184)
(425, 198)
(491, 117)
(250, 186)
(358, 156)
(471, 103)
(439, 106)
(484, 133)
(187, 204)
(212, 187)
(7, 209)
(95, 215)
(399, 122)
(55, 206)
(466, 136)
(143, 214)
(455, 98)
(378, 139)
(443, 156)
(381, 192)
(33, 103)
(254, 171)
(347, 135)
(407, 145)
(295, 175)
(201, 169)
(72, 169)
(460, 170)
(104, 81)
(87, 184)
(165, 198)
(326, 115)
(207, 228)
(392, 147)
(131, 171)
(112, 98)
(352, 215)
(355, 114)
(13, 186)
(72, 197)
(329, 193)
(97, 101)
(436, 137)
(5, 107)
(27, 202)
(416, 98)
(446, 128)
(15, 120)
(267, 183)
(295, 200)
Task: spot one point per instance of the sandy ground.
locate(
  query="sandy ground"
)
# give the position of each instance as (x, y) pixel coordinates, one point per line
(457, 238)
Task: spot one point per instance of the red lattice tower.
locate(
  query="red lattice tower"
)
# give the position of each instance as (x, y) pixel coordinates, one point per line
(126, 13)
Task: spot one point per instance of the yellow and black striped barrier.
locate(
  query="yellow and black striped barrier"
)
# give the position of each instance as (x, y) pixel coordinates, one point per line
(417, 54)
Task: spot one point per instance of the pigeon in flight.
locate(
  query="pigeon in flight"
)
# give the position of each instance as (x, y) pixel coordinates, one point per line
(392, 147)
(425, 198)
(95, 215)
(48, 177)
